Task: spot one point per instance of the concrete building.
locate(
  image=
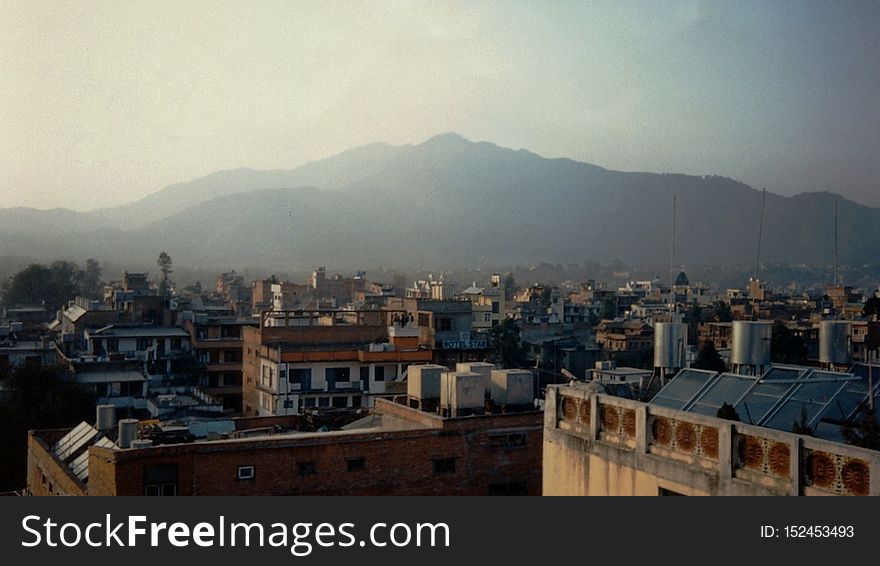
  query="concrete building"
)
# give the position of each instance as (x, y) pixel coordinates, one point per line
(303, 359)
(595, 444)
(218, 346)
(15, 353)
(624, 336)
(161, 346)
(396, 450)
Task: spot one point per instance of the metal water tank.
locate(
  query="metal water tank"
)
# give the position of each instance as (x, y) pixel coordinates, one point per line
(834, 342)
(105, 419)
(670, 341)
(128, 429)
(751, 343)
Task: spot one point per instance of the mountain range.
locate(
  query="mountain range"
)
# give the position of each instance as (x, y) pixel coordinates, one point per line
(443, 203)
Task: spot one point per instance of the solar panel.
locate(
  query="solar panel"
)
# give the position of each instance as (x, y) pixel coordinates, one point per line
(809, 400)
(777, 372)
(758, 402)
(80, 464)
(727, 388)
(74, 440)
(682, 388)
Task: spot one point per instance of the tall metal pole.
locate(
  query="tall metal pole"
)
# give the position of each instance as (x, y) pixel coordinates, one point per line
(760, 233)
(836, 258)
(672, 258)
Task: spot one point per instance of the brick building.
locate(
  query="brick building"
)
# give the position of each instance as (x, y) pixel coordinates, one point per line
(396, 450)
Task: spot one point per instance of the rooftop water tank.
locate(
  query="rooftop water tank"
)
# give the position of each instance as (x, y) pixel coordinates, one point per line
(751, 343)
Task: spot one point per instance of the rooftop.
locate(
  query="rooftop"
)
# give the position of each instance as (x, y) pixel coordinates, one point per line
(781, 397)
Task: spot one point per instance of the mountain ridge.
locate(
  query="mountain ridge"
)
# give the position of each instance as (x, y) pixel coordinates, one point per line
(453, 201)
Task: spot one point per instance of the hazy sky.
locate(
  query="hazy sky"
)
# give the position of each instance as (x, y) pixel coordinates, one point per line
(105, 102)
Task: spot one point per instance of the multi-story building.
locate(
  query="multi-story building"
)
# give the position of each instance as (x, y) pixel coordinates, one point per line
(296, 360)
(162, 347)
(624, 336)
(217, 344)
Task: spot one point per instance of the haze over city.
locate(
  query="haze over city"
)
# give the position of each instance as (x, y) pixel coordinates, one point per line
(106, 103)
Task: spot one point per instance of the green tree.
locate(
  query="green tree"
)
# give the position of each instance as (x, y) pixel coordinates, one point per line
(508, 350)
(608, 308)
(708, 358)
(720, 312)
(727, 411)
(509, 287)
(871, 308)
(802, 426)
(693, 316)
(787, 348)
(165, 266)
(865, 432)
(39, 399)
(92, 282)
(546, 298)
(39, 284)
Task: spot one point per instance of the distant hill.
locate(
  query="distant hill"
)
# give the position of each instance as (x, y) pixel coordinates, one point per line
(448, 202)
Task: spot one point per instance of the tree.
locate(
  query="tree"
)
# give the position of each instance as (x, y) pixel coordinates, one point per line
(508, 350)
(708, 358)
(52, 286)
(608, 308)
(721, 312)
(864, 432)
(693, 316)
(165, 266)
(546, 298)
(871, 308)
(801, 426)
(38, 398)
(787, 348)
(91, 279)
(509, 287)
(727, 411)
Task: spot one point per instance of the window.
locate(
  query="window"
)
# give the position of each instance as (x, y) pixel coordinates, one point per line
(164, 489)
(512, 440)
(323, 401)
(309, 402)
(495, 307)
(379, 373)
(340, 402)
(306, 468)
(300, 375)
(509, 488)
(444, 324)
(246, 472)
(355, 402)
(176, 344)
(365, 373)
(288, 403)
(160, 480)
(356, 464)
(144, 344)
(333, 375)
(444, 466)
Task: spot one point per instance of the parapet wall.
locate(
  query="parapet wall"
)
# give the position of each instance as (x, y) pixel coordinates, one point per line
(602, 445)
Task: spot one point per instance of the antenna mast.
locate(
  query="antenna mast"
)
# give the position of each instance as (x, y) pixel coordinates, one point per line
(836, 259)
(760, 232)
(672, 259)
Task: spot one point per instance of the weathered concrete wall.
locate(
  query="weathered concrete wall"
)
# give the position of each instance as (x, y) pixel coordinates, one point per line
(601, 445)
